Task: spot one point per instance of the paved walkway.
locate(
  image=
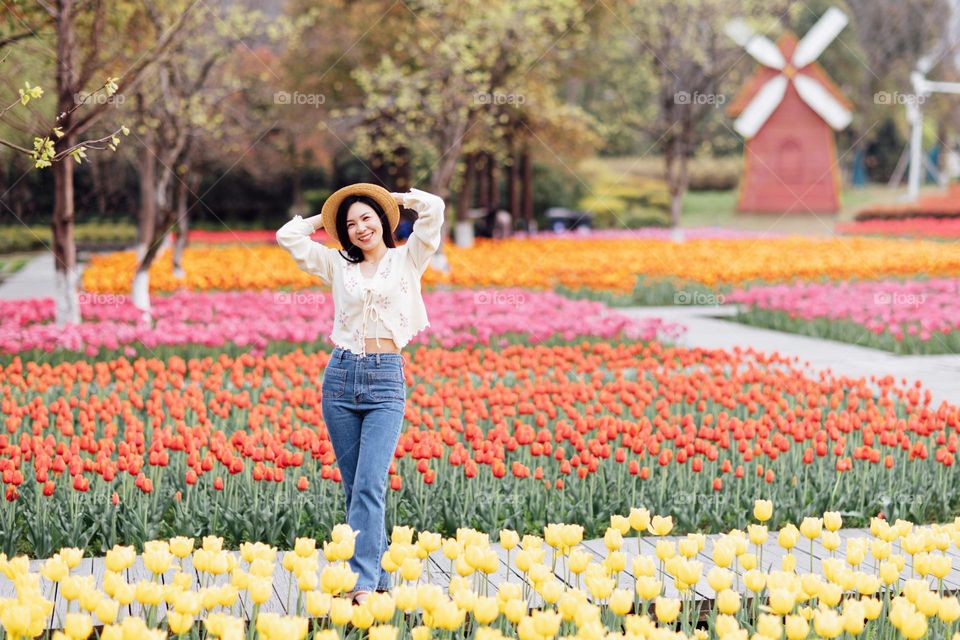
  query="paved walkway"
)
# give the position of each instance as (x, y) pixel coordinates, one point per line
(34, 280)
(706, 328)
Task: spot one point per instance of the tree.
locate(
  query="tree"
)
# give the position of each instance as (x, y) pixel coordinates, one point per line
(177, 112)
(682, 49)
(84, 51)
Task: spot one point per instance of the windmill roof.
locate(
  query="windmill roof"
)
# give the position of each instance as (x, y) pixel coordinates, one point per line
(787, 42)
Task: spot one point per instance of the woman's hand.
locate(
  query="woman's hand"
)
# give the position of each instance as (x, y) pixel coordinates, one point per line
(399, 197)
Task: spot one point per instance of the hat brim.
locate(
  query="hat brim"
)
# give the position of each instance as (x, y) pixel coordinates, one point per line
(375, 191)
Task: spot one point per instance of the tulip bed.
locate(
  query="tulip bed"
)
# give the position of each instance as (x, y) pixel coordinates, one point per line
(189, 323)
(592, 265)
(913, 316)
(128, 450)
(908, 227)
(865, 591)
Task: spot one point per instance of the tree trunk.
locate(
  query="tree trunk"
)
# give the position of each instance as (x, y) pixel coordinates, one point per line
(513, 184)
(483, 181)
(676, 169)
(527, 187)
(465, 197)
(147, 215)
(493, 182)
(183, 222)
(64, 246)
(100, 190)
(401, 178)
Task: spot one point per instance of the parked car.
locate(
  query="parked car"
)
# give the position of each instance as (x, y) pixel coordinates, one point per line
(561, 219)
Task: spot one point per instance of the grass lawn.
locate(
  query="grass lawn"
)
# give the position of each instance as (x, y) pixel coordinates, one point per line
(11, 263)
(716, 208)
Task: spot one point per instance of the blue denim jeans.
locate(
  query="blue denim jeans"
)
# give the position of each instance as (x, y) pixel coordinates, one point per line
(363, 400)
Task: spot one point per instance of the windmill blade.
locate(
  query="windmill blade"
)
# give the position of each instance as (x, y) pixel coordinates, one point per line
(760, 47)
(822, 101)
(820, 35)
(762, 105)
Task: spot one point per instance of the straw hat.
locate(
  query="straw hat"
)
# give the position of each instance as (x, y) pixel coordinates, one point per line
(378, 193)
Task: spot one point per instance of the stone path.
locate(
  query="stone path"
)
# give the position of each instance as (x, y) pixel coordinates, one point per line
(284, 597)
(940, 374)
(34, 280)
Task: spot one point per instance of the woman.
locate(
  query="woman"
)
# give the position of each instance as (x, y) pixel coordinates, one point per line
(376, 292)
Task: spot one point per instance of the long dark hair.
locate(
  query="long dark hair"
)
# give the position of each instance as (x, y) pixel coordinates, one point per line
(355, 253)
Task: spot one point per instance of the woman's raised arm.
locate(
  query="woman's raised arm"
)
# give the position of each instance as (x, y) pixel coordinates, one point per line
(311, 256)
(425, 238)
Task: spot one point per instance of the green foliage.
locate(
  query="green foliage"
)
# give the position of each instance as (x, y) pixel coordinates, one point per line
(32, 238)
(623, 198)
(553, 186)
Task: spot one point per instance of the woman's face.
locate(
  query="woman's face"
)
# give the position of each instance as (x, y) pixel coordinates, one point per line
(363, 226)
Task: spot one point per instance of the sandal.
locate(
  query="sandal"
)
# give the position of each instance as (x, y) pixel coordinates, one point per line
(359, 597)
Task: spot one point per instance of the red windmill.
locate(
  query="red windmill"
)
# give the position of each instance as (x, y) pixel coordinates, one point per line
(787, 112)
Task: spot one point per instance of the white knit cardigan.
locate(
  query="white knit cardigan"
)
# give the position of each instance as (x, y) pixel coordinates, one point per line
(393, 293)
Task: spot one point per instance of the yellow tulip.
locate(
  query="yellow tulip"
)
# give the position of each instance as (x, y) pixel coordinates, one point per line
(509, 539)
(830, 540)
(178, 622)
(577, 560)
(120, 559)
(106, 610)
(832, 520)
(382, 632)
(615, 561)
(212, 544)
(762, 510)
(181, 546)
(419, 632)
(757, 533)
(411, 569)
(486, 610)
(666, 549)
(755, 580)
(612, 539)
(723, 553)
(782, 601)
(796, 627)
(642, 565)
(340, 611)
(621, 601)
(827, 623)
(726, 625)
(304, 547)
(78, 626)
(728, 601)
(788, 563)
(719, 578)
(769, 627)
(660, 525)
(811, 527)
(648, 587)
(55, 569)
(788, 537)
(949, 609)
(639, 519)
(71, 556)
(260, 589)
(620, 523)
(853, 618)
(667, 609)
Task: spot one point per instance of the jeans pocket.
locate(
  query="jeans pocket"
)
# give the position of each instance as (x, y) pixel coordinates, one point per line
(334, 382)
(386, 385)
